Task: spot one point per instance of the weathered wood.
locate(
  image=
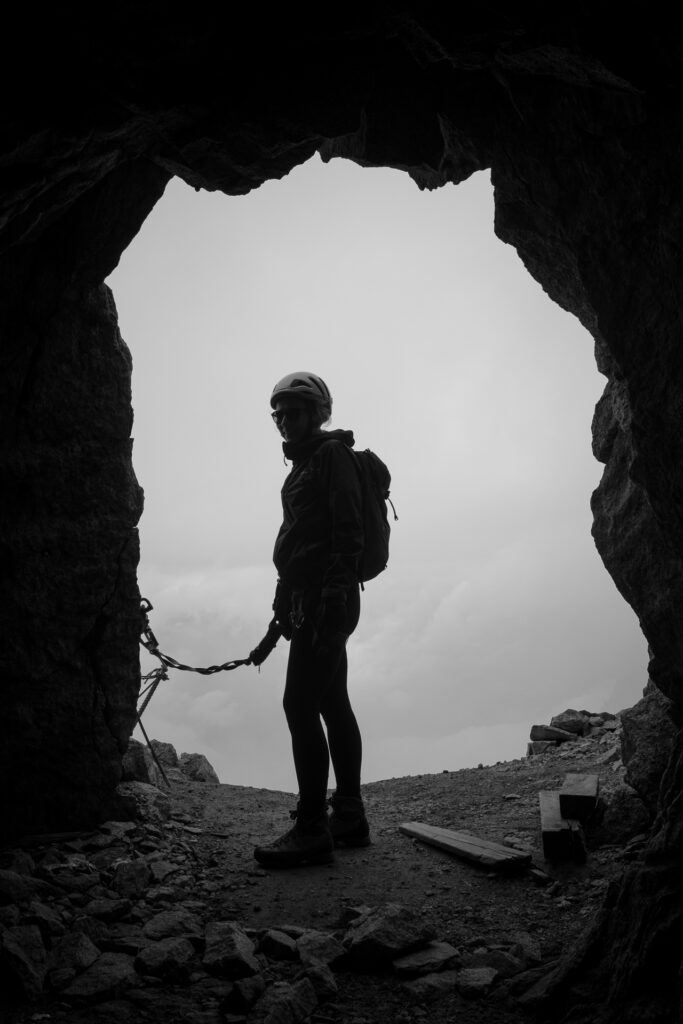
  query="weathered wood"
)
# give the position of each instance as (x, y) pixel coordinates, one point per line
(550, 732)
(578, 796)
(562, 837)
(479, 851)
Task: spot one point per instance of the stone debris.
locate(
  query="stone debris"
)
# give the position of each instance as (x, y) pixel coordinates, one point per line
(121, 915)
(229, 951)
(140, 764)
(571, 727)
(385, 934)
(435, 956)
(476, 981)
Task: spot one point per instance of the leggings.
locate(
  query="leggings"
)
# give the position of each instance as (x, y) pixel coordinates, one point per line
(316, 692)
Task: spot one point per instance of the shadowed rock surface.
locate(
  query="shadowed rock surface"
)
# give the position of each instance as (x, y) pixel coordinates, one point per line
(580, 126)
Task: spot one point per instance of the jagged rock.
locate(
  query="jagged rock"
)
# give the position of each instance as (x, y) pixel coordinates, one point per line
(506, 964)
(23, 958)
(431, 986)
(243, 994)
(138, 765)
(624, 816)
(9, 915)
(143, 802)
(322, 980)
(15, 888)
(172, 923)
(385, 934)
(74, 952)
(610, 756)
(547, 732)
(161, 869)
(108, 909)
(170, 959)
(123, 938)
(131, 878)
(540, 747)
(277, 945)
(526, 948)
(229, 951)
(435, 956)
(21, 862)
(47, 919)
(197, 768)
(285, 1004)
(647, 739)
(110, 975)
(316, 947)
(165, 753)
(576, 722)
(476, 981)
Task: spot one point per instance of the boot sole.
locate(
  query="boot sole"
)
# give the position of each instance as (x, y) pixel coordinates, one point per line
(351, 841)
(294, 860)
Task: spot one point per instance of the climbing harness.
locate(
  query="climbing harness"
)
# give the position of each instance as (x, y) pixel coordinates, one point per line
(151, 680)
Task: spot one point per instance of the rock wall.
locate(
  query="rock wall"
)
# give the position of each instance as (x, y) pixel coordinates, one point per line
(69, 543)
(580, 126)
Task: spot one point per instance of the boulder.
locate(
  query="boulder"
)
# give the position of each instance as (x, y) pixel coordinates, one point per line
(576, 722)
(197, 768)
(624, 816)
(165, 753)
(548, 732)
(138, 765)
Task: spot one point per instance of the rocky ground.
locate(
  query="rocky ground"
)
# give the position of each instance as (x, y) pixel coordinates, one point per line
(169, 917)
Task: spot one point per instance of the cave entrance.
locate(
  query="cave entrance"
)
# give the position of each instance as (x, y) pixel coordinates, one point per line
(447, 358)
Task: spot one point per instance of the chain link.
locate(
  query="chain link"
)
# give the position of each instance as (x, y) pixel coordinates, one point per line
(151, 644)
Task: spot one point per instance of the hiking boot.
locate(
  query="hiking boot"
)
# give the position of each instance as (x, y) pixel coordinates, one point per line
(348, 824)
(308, 842)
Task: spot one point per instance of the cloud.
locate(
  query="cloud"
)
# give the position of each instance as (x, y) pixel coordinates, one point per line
(447, 359)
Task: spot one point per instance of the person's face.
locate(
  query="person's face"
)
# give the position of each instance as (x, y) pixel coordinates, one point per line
(292, 418)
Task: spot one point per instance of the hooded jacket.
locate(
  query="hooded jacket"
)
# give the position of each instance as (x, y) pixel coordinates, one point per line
(320, 542)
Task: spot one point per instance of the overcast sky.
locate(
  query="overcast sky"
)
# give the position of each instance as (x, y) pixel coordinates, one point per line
(445, 357)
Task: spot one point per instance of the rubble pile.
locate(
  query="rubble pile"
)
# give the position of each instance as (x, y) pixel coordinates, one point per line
(122, 914)
(581, 727)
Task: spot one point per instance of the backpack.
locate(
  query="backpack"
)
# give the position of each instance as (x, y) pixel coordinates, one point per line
(375, 480)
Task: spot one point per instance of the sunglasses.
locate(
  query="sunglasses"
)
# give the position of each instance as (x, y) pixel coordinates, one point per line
(292, 413)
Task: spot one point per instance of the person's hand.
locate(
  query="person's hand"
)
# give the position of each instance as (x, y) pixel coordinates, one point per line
(265, 646)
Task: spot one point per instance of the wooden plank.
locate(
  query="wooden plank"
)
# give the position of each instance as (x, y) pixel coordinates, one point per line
(479, 851)
(579, 795)
(562, 837)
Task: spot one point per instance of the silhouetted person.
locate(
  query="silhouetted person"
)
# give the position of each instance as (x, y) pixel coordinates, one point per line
(317, 606)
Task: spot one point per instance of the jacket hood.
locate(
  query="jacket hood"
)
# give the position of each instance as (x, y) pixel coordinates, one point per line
(299, 450)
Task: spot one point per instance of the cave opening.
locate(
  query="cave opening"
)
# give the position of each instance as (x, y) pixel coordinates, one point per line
(447, 358)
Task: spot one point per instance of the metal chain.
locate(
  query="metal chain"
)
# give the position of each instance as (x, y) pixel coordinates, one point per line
(158, 675)
(151, 644)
